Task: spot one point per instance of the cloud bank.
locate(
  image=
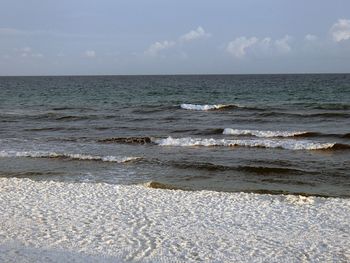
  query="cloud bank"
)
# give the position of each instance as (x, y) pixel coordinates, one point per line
(243, 46)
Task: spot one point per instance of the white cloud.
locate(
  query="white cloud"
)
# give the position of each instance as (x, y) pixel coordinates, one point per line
(159, 46)
(341, 30)
(241, 46)
(194, 34)
(310, 37)
(266, 42)
(156, 47)
(90, 53)
(283, 44)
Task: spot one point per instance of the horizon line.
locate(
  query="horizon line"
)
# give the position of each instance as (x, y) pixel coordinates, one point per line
(175, 74)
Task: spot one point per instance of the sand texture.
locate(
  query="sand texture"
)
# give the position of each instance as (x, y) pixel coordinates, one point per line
(90, 222)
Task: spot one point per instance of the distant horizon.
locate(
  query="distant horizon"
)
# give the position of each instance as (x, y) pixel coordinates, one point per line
(177, 74)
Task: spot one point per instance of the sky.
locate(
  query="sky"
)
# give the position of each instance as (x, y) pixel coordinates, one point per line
(115, 37)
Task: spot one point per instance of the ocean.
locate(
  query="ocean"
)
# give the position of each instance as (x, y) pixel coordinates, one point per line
(269, 134)
(195, 168)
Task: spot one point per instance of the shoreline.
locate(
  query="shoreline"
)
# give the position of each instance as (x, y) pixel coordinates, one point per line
(134, 223)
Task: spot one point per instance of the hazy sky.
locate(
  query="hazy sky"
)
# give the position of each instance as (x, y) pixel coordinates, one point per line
(46, 37)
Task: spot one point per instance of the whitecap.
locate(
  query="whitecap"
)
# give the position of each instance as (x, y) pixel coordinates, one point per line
(262, 133)
(204, 107)
(72, 156)
(266, 143)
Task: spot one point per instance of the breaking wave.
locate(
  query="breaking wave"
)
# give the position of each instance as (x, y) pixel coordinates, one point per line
(70, 156)
(207, 107)
(128, 140)
(264, 143)
(267, 134)
(283, 134)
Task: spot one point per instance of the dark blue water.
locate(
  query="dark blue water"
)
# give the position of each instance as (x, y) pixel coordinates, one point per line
(253, 133)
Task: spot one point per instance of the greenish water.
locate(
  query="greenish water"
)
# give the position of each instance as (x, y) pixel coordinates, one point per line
(288, 133)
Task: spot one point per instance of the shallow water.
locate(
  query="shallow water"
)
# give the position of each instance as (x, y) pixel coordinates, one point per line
(252, 133)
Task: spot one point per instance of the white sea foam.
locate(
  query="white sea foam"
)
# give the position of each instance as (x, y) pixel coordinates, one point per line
(95, 222)
(73, 156)
(267, 143)
(259, 133)
(203, 107)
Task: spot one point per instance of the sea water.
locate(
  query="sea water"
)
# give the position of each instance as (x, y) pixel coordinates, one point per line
(233, 133)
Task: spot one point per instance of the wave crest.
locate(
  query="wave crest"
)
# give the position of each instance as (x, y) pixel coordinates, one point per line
(206, 107)
(71, 156)
(264, 143)
(127, 140)
(264, 134)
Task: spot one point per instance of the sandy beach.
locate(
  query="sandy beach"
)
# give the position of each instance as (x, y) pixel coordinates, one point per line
(174, 131)
(87, 222)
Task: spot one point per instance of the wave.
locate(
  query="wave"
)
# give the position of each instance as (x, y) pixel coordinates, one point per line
(341, 146)
(332, 106)
(263, 143)
(147, 109)
(54, 129)
(319, 134)
(293, 197)
(301, 197)
(128, 140)
(250, 169)
(306, 115)
(83, 117)
(73, 108)
(346, 135)
(267, 134)
(53, 115)
(207, 107)
(270, 142)
(184, 130)
(328, 114)
(72, 118)
(281, 134)
(70, 156)
(212, 131)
